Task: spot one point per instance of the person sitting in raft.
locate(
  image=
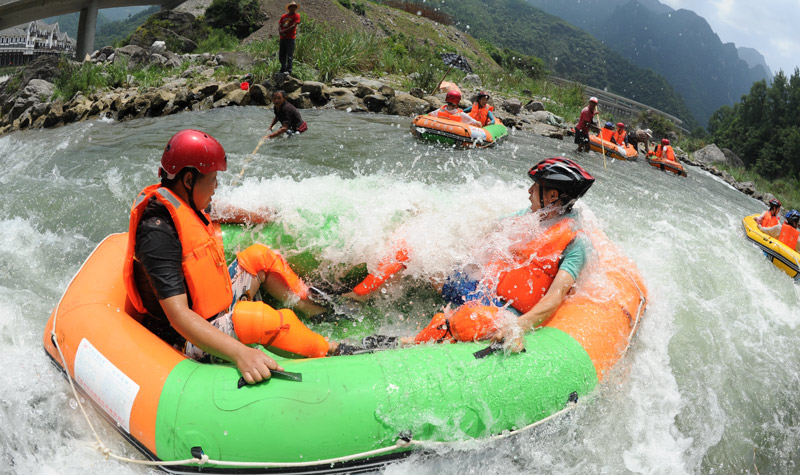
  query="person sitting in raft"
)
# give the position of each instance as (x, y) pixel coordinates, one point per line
(176, 276)
(481, 110)
(620, 137)
(287, 115)
(451, 110)
(607, 131)
(769, 217)
(585, 122)
(534, 284)
(787, 232)
(664, 151)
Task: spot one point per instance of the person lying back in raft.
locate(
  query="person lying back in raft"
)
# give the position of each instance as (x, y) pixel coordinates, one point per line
(787, 232)
(769, 217)
(287, 115)
(175, 271)
(481, 110)
(451, 110)
(534, 284)
(585, 122)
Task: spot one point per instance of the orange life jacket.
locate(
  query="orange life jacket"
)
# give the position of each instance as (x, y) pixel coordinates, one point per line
(769, 220)
(668, 153)
(481, 114)
(204, 270)
(606, 134)
(789, 236)
(525, 281)
(619, 137)
(445, 114)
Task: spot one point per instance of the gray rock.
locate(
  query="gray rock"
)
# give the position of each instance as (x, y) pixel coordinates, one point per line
(236, 59)
(238, 97)
(158, 47)
(259, 95)
(386, 91)
(434, 102)
(472, 80)
(226, 89)
(407, 105)
(299, 99)
(732, 158)
(417, 92)
(747, 187)
(205, 90)
(534, 106)
(135, 55)
(286, 83)
(710, 154)
(512, 105)
(347, 102)
(363, 91)
(317, 91)
(157, 59)
(375, 102)
(173, 60)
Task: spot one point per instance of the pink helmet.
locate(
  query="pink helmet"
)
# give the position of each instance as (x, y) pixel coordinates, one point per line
(192, 148)
(593, 99)
(453, 97)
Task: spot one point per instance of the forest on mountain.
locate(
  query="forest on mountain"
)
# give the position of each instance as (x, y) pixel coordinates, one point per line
(108, 32)
(567, 51)
(764, 128)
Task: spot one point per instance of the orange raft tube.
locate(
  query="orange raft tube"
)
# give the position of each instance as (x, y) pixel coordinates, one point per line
(458, 134)
(666, 165)
(612, 150)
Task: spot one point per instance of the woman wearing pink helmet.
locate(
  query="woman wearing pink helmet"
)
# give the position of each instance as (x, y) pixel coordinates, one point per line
(452, 111)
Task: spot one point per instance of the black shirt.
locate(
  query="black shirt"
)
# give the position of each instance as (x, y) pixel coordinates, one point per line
(288, 116)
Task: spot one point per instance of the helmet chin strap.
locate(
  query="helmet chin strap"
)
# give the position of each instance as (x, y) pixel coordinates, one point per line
(190, 191)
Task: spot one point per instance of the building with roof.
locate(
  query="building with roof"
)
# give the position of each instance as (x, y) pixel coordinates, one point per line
(23, 43)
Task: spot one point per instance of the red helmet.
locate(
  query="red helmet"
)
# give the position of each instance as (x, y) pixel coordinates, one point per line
(664, 141)
(453, 97)
(620, 125)
(192, 148)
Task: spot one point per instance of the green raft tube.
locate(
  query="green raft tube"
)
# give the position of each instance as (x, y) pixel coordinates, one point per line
(457, 134)
(346, 414)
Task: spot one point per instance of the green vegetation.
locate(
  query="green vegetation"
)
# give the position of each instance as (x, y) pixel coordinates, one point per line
(87, 78)
(787, 190)
(218, 40)
(358, 7)
(237, 17)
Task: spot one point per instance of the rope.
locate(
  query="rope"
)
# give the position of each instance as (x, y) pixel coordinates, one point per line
(401, 443)
(247, 161)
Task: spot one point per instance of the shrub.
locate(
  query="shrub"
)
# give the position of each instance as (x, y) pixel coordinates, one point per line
(238, 17)
(218, 40)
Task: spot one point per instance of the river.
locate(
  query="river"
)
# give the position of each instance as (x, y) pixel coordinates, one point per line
(707, 387)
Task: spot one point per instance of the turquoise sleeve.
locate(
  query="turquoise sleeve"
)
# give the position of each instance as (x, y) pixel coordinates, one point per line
(468, 109)
(574, 257)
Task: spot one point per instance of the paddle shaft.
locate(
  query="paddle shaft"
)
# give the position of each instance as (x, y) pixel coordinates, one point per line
(440, 82)
(247, 161)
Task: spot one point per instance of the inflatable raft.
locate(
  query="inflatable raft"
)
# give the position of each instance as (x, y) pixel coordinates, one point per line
(666, 165)
(781, 255)
(346, 413)
(612, 150)
(458, 134)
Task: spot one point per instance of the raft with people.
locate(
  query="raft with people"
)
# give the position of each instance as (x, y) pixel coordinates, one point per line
(474, 127)
(604, 143)
(666, 165)
(782, 256)
(333, 414)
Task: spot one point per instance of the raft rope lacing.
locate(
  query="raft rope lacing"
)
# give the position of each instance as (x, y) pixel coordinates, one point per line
(402, 441)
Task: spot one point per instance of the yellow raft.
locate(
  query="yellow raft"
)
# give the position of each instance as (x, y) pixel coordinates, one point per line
(782, 257)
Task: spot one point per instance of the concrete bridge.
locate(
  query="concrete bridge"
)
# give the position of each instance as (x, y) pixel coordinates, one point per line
(17, 12)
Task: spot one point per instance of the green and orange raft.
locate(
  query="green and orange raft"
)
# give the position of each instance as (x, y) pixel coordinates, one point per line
(457, 134)
(349, 413)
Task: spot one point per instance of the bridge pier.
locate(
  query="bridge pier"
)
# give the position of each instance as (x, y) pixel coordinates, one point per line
(87, 24)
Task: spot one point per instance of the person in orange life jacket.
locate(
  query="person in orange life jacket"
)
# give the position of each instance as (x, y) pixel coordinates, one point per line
(664, 151)
(535, 284)
(287, 32)
(451, 110)
(585, 122)
(620, 137)
(287, 115)
(481, 111)
(787, 232)
(769, 217)
(175, 271)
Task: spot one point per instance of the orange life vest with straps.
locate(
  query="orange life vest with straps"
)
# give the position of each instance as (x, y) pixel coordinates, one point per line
(524, 281)
(204, 269)
(606, 134)
(445, 114)
(481, 114)
(789, 236)
(769, 220)
(619, 137)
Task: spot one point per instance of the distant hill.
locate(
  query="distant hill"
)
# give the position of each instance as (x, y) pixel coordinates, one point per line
(752, 57)
(679, 45)
(566, 50)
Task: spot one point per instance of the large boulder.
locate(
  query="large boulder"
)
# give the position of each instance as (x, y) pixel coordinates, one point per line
(46, 68)
(407, 105)
(512, 105)
(180, 31)
(534, 106)
(472, 80)
(287, 84)
(136, 56)
(375, 102)
(317, 91)
(733, 159)
(34, 93)
(710, 154)
(259, 95)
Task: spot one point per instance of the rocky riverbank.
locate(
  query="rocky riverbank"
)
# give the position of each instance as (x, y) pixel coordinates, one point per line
(197, 86)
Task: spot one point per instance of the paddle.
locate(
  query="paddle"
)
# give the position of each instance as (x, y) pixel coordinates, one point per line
(600, 136)
(453, 60)
(287, 375)
(247, 160)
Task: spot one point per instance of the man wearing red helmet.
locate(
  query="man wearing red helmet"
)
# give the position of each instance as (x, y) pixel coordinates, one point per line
(665, 151)
(620, 136)
(176, 275)
(585, 121)
(451, 110)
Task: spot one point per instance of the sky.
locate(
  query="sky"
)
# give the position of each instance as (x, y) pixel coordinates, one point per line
(770, 26)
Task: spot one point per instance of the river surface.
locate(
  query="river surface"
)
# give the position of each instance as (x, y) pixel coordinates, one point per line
(710, 382)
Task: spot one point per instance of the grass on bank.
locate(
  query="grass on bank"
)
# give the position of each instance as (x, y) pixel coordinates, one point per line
(787, 190)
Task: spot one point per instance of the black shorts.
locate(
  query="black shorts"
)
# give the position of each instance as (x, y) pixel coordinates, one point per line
(581, 137)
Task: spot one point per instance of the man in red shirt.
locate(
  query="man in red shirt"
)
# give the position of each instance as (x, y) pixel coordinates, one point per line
(287, 30)
(584, 122)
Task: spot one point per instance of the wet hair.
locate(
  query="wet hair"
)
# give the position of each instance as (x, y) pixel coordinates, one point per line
(279, 91)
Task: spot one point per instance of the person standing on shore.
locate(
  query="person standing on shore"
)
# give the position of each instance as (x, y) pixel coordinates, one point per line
(582, 127)
(287, 30)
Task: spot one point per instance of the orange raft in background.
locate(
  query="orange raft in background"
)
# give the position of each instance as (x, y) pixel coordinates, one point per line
(666, 165)
(612, 150)
(457, 134)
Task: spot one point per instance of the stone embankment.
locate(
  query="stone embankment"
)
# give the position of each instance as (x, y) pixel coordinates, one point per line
(198, 87)
(710, 154)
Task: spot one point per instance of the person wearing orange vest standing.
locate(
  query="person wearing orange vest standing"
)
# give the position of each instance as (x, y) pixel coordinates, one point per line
(451, 110)
(664, 151)
(620, 136)
(787, 232)
(769, 217)
(481, 110)
(584, 124)
(287, 32)
(176, 275)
